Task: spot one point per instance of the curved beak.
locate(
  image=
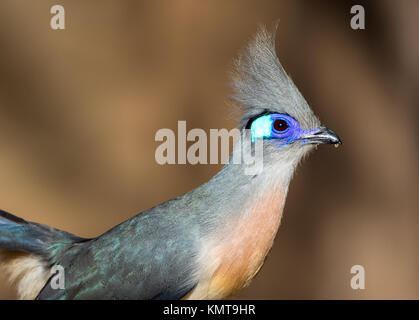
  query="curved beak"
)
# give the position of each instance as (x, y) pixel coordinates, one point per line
(321, 135)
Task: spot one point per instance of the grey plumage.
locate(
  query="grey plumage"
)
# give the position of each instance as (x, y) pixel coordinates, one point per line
(207, 243)
(261, 83)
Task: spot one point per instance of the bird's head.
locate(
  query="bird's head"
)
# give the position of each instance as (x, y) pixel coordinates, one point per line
(273, 108)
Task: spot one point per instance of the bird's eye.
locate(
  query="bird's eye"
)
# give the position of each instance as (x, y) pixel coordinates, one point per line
(280, 125)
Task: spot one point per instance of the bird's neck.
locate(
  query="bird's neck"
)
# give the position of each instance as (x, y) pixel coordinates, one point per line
(234, 190)
(247, 222)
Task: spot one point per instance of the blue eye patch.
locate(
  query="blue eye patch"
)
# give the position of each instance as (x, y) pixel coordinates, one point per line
(276, 126)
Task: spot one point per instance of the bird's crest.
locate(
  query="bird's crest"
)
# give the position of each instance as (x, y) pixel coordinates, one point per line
(261, 84)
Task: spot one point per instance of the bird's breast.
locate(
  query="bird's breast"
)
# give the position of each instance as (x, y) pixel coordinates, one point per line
(232, 256)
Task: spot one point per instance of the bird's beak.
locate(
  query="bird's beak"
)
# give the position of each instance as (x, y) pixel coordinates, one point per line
(321, 135)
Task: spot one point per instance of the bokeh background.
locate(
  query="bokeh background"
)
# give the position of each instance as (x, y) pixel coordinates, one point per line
(79, 109)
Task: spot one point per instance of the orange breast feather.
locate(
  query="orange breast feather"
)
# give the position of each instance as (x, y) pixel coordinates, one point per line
(240, 256)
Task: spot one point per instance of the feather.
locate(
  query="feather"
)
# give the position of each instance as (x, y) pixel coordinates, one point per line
(28, 271)
(261, 84)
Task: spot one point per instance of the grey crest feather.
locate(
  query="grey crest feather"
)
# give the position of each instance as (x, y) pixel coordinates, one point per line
(262, 85)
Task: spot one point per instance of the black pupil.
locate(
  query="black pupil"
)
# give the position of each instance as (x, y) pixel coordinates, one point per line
(280, 125)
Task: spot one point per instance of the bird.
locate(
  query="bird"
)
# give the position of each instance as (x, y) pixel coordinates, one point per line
(208, 243)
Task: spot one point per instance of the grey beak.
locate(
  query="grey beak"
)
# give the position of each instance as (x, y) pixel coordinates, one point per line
(321, 136)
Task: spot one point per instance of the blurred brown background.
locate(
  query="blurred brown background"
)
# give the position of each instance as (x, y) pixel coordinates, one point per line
(79, 109)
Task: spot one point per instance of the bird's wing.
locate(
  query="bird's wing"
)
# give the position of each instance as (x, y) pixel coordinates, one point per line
(148, 258)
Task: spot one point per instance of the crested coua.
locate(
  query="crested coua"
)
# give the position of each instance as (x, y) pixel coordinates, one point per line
(206, 244)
